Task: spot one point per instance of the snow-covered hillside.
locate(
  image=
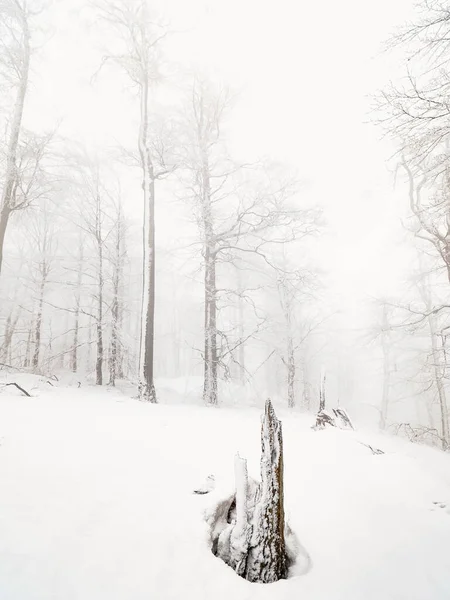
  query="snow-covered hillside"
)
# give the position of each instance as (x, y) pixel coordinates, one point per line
(96, 503)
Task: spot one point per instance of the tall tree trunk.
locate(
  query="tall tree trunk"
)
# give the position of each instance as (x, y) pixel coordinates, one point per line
(10, 178)
(113, 359)
(99, 360)
(210, 396)
(147, 390)
(76, 327)
(439, 375)
(38, 326)
(90, 330)
(210, 359)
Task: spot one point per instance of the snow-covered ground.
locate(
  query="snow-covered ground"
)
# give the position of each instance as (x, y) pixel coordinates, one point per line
(96, 503)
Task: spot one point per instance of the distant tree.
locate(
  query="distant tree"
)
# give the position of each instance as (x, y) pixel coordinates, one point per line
(240, 216)
(44, 242)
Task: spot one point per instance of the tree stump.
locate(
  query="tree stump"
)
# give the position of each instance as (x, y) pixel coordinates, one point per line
(267, 559)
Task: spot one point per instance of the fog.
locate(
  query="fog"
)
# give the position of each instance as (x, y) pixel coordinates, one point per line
(293, 87)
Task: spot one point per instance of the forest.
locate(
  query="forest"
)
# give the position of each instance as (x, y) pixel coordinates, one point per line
(232, 285)
(241, 206)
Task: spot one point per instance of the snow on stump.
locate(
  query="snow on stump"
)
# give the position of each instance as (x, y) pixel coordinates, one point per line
(248, 530)
(267, 558)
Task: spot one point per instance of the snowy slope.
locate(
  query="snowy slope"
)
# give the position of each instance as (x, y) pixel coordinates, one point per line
(96, 503)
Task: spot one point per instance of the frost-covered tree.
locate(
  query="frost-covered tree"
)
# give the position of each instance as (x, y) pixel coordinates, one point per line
(24, 152)
(139, 35)
(241, 214)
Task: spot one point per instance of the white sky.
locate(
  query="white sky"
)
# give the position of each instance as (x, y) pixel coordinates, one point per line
(303, 71)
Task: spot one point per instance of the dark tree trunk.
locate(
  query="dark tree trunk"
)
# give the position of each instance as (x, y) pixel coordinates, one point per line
(147, 390)
(38, 327)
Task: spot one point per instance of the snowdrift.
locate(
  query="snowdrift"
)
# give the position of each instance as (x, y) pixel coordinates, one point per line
(97, 503)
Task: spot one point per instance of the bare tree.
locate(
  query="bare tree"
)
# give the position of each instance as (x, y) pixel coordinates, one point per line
(44, 247)
(240, 217)
(119, 251)
(141, 36)
(78, 287)
(24, 152)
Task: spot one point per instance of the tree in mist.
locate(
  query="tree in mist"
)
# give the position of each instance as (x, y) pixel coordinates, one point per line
(241, 214)
(77, 309)
(95, 221)
(295, 290)
(44, 243)
(23, 154)
(437, 356)
(415, 112)
(386, 349)
(117, 259)
(141, 35)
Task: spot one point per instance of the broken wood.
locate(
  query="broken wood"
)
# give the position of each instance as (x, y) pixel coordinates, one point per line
(372, 449)
(343, 418)
(252, 538)
(19, 388)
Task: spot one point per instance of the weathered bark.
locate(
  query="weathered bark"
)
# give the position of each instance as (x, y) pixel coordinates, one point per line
(10, 178)
(251, 537)
(267, 560)
(146, 354)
